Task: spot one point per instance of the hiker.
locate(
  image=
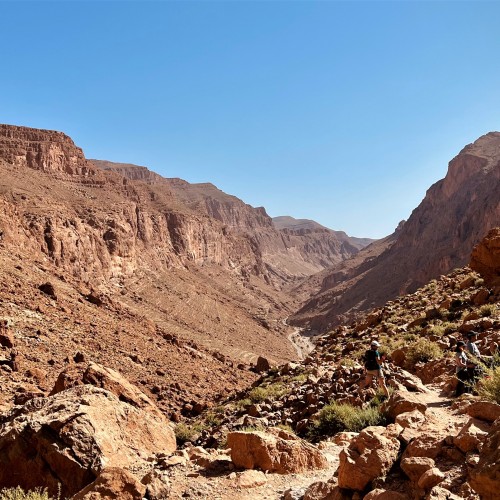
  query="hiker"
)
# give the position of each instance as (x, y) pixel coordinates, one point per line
(373, 368)
(461, 365)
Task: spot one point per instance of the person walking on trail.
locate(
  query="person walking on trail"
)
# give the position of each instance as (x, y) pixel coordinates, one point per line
(461, 365)
(373, 368)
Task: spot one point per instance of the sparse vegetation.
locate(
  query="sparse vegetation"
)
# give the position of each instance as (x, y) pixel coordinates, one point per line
(271, 392)
(489, 385)
(19, 494)
(337, 417)
(188, 433)
(486, 310)
(423, 350)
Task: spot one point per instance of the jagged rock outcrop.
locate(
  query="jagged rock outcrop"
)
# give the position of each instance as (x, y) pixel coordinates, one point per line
(68, 439)
(485, 258)
(455, 214)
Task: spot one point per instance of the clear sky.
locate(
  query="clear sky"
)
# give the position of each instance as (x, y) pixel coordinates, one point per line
(341, 112)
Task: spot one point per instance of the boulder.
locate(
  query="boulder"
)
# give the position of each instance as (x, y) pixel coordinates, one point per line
(427, 445)
(430, 478)
(410, 419)
(113, 483)
(262, 365)
(328, 490)
(68, 439)
(485, 258)
(380, 494)
(108, 379)
(274, 451)
(402, 402)
(6, 336)
(485, 477)
(439, 493)
(250, 479)
(472, 435)
(414, 467)
(484, 410)
(370, 455)
(157, 485)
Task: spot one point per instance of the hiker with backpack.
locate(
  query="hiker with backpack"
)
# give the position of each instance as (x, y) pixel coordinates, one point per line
(373, 368)
(461, 369)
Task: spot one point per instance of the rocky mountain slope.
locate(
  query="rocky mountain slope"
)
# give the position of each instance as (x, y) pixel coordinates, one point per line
(98, 436)
(438, 237)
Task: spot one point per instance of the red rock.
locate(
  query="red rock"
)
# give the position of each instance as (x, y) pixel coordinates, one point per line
(430, 478)
(278, 451)
(414, 467)
(113, 483)
(380, 494)
(485, 257)
(370, 455)
(472, 435)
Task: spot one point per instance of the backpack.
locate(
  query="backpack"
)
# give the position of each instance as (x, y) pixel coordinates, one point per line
(371, 359)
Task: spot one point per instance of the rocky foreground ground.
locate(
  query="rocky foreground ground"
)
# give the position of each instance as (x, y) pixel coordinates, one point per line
(303, 431)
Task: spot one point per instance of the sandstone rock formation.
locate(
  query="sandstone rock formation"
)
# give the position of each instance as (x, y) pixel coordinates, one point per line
(370, 455)
(71, 437)
(280, 452)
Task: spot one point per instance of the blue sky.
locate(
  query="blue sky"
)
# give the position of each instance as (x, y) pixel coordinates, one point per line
(341, 112)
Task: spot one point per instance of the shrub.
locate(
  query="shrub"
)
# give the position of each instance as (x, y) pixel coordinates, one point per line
(489, 386)
(271, 392)
(187, 433)
(423, 350)
(338, 417)
(486, 310)
(19, 494)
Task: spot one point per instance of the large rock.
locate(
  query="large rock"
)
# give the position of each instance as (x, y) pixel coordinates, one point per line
(370, 455)
(485, 258)
(414, 467)
(380, 494)
(402, 402)
(274, 451)
(68, 439)
(472, 435)
(113, 483)
(108, 379)
(485, 478)
(484, 410)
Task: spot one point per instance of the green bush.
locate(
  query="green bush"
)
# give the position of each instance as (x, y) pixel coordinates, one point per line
(271, 392)
(19, 494)
(423, 350)
(338, 417)
(489, 385)
(486, 310)
(187, 433)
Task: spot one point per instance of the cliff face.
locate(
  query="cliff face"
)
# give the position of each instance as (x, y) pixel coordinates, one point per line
(44, 150)
(288, 252)
(438, 237)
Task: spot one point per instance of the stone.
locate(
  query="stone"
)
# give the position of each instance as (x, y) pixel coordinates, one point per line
(262, 365)
(439, 493)
(485, 477)
(484, 410)
(410, 419)
(6, 336)
(157, 485)
(380, 494)
(68, 439)
(113, 483)
(426, 445)
(370, 455)
(250, 479)
(274, 451)
(414, 467)
(472, 435)
(430, 478)
(328, 490)
(402, 402)
(108, 379)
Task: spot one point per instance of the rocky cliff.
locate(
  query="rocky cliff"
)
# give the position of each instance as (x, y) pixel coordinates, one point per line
(439, 235)
(288, 251)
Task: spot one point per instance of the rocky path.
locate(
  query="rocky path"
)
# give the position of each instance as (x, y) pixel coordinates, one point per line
(441, 421)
